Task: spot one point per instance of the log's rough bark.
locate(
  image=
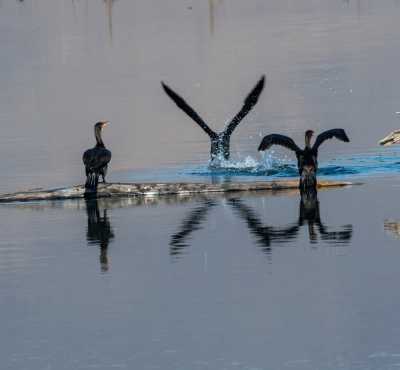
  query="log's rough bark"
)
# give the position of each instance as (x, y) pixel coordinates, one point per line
(157, 189)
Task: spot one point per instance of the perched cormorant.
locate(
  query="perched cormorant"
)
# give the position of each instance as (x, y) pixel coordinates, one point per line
(96, 159)
(306, 158)
(392, 138)
(219, 141)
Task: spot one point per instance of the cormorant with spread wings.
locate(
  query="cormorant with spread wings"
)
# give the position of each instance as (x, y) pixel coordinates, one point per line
(307, 158)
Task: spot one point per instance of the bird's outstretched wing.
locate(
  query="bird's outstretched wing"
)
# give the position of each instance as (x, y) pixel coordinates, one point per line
(249, 103)
(276, 139)
(181, 103)
(338, 133)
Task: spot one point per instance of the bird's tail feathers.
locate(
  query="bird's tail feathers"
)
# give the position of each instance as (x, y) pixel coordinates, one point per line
(91, 181)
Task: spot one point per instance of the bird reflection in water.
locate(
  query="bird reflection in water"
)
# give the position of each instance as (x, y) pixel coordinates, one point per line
(190, 224)
(99, 231)
(309, 215)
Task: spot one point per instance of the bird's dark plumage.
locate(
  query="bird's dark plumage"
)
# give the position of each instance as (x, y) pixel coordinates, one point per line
(307, 158)
(276, 139)
(220, 142)
(96, 160)
(250, 101)
(338, 133)
(181, 103)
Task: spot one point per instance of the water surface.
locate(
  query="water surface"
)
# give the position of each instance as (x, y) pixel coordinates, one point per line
(250, 281)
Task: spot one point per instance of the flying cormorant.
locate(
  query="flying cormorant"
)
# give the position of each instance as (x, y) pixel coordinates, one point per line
(219, 141)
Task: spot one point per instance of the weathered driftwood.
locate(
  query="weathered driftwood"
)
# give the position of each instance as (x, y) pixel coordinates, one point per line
(157, 189)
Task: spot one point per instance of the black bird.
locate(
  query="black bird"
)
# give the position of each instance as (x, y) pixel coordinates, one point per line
(96, 159)
(220, 142)
(307, 158)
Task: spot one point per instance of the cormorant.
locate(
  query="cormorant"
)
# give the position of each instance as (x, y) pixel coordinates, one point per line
(96, 159)
(392, 138)
(306, 158)
(219, 141)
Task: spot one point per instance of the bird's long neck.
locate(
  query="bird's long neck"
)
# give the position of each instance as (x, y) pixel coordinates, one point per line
(308, 141)
(99, 140)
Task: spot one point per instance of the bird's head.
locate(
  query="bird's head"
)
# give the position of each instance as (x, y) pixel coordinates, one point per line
(309, 133)
(308, 136)
(101, 124)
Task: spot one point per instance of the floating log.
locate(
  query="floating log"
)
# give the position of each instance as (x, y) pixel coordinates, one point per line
(158, 189)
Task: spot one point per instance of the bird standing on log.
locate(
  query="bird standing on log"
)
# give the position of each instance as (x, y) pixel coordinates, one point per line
(96, 159)
(307, 158)
(220, 142)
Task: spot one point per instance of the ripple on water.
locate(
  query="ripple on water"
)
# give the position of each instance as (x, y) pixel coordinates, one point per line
(378, 163)
(360, 165)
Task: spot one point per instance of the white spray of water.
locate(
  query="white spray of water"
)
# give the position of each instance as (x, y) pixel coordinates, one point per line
(266, 162)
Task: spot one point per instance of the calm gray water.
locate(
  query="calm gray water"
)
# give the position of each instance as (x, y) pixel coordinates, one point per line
(251, 282)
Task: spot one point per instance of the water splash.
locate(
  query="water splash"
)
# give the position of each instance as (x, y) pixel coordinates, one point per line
(360, 165)
(270, 166)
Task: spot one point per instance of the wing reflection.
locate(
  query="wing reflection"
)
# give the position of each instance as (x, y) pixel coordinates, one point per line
(190, 224)
(266, 235)
(99, 231)
(309, 215)
(309, 212)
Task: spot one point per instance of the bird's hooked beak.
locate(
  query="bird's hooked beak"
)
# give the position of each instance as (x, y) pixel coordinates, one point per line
(392, 138)
(104, 123)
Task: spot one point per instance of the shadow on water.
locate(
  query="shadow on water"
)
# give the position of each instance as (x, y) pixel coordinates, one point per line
(99, 231)
(309, 215)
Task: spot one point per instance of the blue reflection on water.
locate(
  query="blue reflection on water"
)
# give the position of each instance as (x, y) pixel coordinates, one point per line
(383, 162)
